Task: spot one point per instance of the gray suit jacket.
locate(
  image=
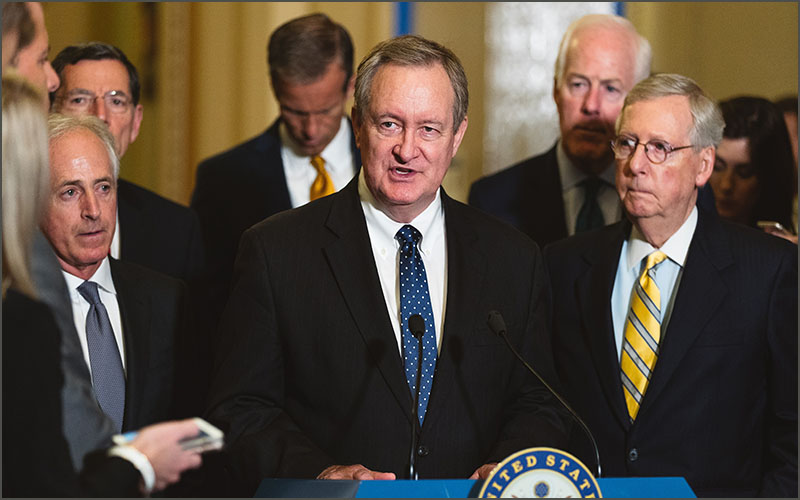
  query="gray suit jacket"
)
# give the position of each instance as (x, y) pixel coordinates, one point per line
(86, 427)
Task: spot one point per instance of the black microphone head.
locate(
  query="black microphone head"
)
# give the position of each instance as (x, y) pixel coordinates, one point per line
(416, 325)
(495, 323)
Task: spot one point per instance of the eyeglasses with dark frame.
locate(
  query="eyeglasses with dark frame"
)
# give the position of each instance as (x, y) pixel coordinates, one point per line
(79, 101)
(657, 151)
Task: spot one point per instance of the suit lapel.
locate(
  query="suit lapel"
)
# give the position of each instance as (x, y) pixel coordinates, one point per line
(593, 290)
(466, 272)
(130, 220)
(270, 174)
(135, 313)
(700, 293)
(362, 290)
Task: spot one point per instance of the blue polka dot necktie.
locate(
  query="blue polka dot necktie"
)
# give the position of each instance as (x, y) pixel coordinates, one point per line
(108, 379)
(415, 299)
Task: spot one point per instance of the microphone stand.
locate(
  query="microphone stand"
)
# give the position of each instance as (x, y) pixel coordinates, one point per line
(417, 327)
(498, 326)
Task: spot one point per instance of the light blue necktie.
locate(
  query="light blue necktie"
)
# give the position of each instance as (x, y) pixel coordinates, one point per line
(415, 299)
(108, 378)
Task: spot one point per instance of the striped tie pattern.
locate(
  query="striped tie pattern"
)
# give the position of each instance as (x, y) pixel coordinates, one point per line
(322, 185)
(642, 336)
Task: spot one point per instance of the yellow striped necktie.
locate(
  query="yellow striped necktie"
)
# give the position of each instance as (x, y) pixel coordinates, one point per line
(642, 336)
(322, 185)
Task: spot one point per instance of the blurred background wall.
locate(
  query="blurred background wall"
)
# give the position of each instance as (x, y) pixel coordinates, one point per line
(206, 87)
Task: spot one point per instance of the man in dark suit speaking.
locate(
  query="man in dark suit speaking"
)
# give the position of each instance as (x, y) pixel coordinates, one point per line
(127, 316)
(317, 370)
(674, 332)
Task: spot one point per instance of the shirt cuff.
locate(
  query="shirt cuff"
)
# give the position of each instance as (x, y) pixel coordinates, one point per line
(139, 460)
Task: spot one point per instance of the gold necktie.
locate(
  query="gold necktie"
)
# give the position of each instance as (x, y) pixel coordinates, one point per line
(322, 185)
(642, 335)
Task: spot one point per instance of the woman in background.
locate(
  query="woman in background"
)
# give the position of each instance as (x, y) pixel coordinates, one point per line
(753, 179)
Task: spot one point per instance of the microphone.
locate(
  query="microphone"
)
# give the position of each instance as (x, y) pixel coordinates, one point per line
(417, 327)
(497, 325)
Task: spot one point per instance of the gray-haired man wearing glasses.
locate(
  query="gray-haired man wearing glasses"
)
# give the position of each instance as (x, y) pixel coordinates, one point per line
(674, 332)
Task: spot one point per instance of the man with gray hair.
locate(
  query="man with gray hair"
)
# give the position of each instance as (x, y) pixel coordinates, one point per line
(317, 373)
(570, 188)
(127, 317)
(674, 332)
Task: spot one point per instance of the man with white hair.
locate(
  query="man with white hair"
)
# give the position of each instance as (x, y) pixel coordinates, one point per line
(570, 188)
(675, 332)
(127, 316)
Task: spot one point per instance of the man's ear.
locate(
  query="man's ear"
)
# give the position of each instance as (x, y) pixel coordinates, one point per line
(707, 157)
(459, 135)
(356, 119)
(138, 114)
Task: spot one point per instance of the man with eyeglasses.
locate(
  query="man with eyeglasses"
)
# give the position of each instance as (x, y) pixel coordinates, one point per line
(308, 152)
(674, 332)
(98, 79)
(151, 231)
(570, 188)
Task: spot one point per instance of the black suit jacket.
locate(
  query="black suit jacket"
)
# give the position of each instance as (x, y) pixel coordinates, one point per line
(153, 312)
(159, 234)
(528, 195)
(234, 190)
(36, 458)
(164, 236)
(721, 408)
(309, 372)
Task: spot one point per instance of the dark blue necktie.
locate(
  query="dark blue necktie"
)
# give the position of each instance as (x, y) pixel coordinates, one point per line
(108, 378)
(590, 215)
(415, 299)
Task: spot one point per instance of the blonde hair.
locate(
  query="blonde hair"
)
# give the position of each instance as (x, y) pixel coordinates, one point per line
(26, 178)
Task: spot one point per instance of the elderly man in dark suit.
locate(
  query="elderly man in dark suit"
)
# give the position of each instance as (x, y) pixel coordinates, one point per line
(674, 332)
(570, 188)
(98, 79)
(308, 152)
(127, 316)
(317, 371)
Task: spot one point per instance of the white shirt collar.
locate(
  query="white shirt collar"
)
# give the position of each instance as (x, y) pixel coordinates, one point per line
(387, 227)
(571, 175)
(102, 277)
(676, 247)
(336, 154)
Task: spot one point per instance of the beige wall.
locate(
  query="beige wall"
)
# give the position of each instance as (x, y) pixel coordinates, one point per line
(206, 86)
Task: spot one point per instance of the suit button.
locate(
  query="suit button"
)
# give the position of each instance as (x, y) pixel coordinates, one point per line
(633, 455)
(423, 451)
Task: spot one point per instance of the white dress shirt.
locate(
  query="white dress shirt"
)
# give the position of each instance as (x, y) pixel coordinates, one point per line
(573, 193)
(80, 307)
(667, 274)
(299, 172)
(386, 251)
(116, 244)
